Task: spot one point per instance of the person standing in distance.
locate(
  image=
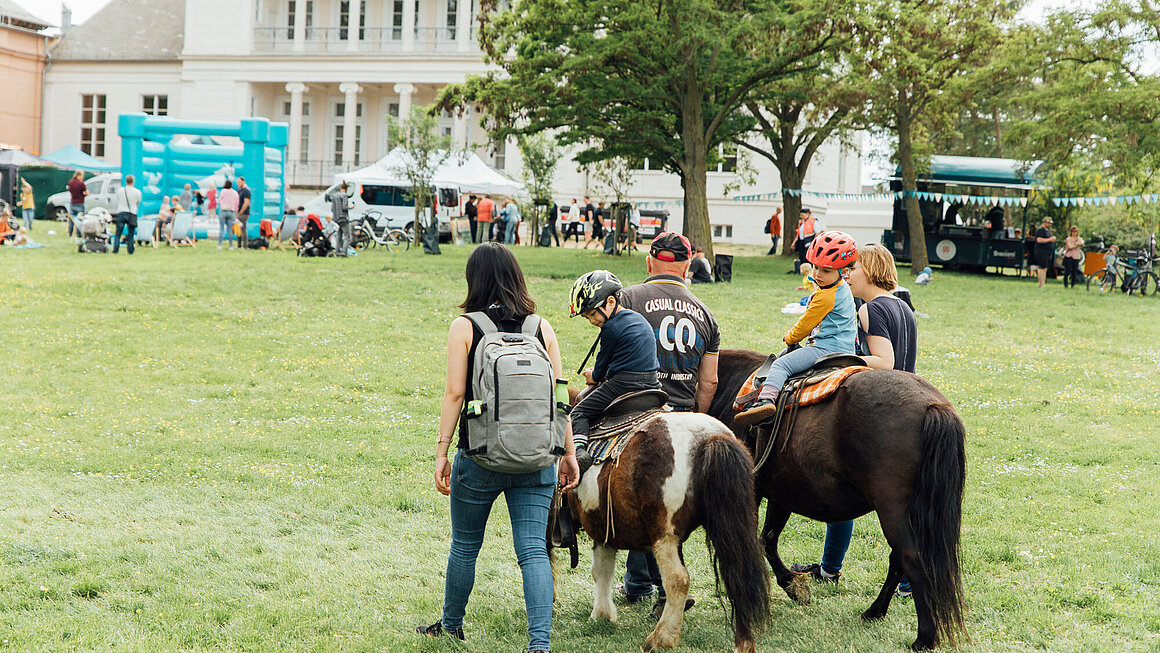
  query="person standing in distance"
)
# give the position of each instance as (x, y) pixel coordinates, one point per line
(773, 228)
(687, 343)
(806, 230)
(76, 198)
(128, 202)
(471, 212)
(340, 209)
(243, 212)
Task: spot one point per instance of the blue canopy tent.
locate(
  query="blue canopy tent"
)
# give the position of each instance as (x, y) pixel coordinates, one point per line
(70, 156)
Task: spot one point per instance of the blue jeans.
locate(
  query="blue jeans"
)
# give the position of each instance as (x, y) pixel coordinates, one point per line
(509, 236)
(641, 574)
(798, 360)
(29, 216)
(225, 223)
(838, 535)
(473, 491)
(74, 210)
(126, 222)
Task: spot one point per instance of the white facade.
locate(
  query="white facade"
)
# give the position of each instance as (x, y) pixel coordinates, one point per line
(305, 62)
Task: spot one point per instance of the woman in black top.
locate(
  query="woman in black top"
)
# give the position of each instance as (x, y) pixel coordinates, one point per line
(887, 339)
(1044, 250)
(495, 285)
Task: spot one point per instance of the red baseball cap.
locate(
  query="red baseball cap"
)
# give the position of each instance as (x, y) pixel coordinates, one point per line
(671, 246)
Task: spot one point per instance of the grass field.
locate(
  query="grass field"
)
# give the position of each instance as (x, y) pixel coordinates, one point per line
(204, 450)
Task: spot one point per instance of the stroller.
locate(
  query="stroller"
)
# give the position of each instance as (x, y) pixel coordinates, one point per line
(94, 232)
(314, 241)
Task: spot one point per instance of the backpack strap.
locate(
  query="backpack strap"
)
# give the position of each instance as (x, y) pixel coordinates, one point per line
(531, 326)
(481, 320)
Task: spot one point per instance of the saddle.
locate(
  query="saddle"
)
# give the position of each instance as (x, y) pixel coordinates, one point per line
(608, 438)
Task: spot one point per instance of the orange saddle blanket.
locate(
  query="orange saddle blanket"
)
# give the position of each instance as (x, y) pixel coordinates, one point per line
(812, 389)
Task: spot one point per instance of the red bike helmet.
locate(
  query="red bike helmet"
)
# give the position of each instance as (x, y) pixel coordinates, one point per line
(832, 249)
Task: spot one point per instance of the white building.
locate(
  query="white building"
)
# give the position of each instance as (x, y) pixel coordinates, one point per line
(307, 62)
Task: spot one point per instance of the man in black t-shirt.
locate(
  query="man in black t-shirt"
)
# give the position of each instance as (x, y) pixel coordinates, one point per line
(472, 212)
(687, 343)
(1044, 250)
(244, 196)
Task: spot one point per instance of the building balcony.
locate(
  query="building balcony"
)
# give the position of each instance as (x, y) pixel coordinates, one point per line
(364, 41)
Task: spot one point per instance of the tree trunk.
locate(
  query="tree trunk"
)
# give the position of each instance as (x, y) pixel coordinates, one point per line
(918, 259)
(791, 208)
(694, 178)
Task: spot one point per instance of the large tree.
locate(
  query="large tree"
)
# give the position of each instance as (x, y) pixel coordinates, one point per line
(915, 57)
(794, 116)
(423, 151)
(625, 78)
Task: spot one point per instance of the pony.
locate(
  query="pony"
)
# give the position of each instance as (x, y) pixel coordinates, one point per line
(677, 472)
(886, 441)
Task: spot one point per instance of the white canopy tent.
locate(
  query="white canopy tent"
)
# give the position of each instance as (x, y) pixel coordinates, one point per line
(466, 171)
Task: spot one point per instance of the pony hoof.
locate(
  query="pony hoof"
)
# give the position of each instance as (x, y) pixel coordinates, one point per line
(745, 646)
(873, 615)
(607, 615)
(655, 642)
(798, 589)
(920, 645)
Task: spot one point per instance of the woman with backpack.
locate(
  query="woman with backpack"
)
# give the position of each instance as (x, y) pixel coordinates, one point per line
(499, 327)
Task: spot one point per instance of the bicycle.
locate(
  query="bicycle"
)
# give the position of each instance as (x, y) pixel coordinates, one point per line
(371, 230)
(1139, 279)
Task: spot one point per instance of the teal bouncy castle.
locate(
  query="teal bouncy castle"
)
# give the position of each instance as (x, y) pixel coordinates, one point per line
(162, 167)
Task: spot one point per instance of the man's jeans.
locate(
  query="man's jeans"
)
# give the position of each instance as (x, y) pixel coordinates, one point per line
(483, 231)
(225, 224)
(344, 237)
(74, 210)
(838, 536)
(473, 491)
(126, 222)
(641, 574)
(510, 234)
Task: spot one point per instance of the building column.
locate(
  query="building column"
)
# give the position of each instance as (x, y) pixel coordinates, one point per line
(350, 110)
(299, 26)
(294, 147)
(408, 26)
(463, 24)
(405, 92)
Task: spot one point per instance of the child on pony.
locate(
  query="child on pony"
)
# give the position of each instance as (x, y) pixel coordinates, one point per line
(830, 320)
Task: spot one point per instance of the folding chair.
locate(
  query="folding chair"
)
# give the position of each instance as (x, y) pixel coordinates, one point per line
(183, 229)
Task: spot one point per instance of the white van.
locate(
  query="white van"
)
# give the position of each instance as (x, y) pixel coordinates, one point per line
(393, 202)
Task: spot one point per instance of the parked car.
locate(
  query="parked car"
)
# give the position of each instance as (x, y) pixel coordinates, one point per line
(394, 204)
(102, 190)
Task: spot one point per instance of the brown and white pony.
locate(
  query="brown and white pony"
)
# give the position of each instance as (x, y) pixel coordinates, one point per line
(678, 472)
(887, 442)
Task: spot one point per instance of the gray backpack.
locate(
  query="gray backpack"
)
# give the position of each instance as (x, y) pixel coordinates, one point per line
(514, 424)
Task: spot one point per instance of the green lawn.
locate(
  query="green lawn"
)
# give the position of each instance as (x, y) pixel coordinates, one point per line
(204, 450)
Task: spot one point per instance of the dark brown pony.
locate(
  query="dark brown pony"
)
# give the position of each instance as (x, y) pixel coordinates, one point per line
(888, 442)
(680, 471)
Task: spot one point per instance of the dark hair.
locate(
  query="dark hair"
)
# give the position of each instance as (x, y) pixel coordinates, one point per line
(229, 184)
(494, 277)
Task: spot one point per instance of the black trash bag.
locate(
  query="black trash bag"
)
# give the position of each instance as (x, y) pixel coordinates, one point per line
(431, 240)
(723, 268)
(546, 236)
(610, 243)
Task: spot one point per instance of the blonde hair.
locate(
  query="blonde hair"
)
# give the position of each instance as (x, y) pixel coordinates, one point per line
(805, 268)
(878, 264)
(79, 174)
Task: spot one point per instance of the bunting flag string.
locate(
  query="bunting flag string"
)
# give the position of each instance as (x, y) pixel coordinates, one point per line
(952, 198)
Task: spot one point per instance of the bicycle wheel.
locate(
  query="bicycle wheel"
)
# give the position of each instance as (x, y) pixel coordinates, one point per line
(1102, 281)
(1146, 284)
(399, 238)
(363, 241)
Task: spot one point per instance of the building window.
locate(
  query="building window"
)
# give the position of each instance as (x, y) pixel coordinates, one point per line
(155, 105)
(292, 17)
(722, 231)
(393, 109)
(304, 149)
(339, 155)
(340, 110)
(93, 125)
(501, 155)
(397, 20)
(344, 21)
(452, 18)
(726, 159)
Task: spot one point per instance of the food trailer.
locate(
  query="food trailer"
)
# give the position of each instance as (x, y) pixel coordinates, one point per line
(973, 212)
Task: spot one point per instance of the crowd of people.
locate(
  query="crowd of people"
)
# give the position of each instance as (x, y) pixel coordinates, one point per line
(852, 310)
(578, 221)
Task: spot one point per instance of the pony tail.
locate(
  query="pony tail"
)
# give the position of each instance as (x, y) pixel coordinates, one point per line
(722, 472)
(934, 515)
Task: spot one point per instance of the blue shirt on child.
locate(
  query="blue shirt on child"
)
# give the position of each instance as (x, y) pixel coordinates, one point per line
(627, 344)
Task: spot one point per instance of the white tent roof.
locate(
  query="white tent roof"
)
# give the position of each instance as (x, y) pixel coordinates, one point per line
(468, 172)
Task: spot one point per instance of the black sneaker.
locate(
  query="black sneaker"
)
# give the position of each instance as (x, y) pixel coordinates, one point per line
(815, 572)
(436, 630)
(631, 598)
